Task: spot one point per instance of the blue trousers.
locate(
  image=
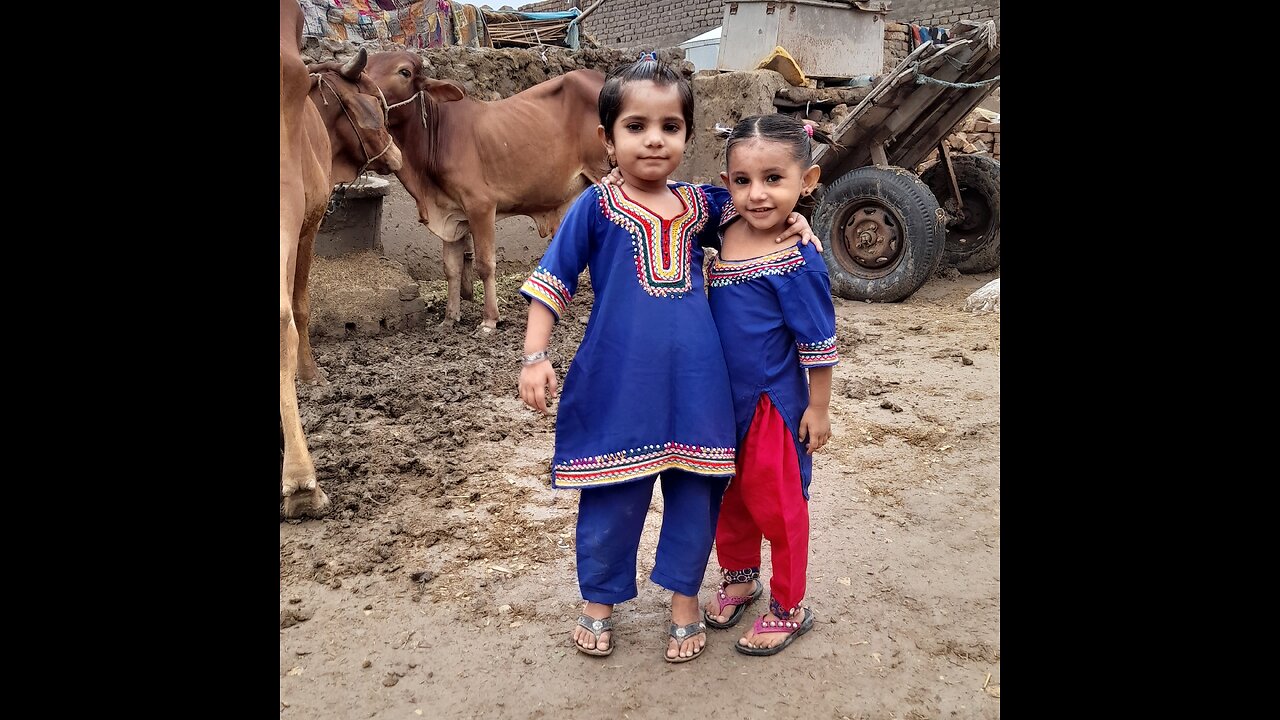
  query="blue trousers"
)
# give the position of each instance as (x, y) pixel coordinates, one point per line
(611, 520)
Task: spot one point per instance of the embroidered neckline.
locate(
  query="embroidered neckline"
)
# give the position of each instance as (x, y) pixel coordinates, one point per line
(662, 248)
(732, 272)
(790, 250)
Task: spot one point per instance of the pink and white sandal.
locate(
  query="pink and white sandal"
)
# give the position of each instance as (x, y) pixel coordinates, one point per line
(740, 606)
(793, 628)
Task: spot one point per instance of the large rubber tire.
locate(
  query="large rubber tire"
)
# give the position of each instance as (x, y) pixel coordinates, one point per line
(973, 237)
(882, 234)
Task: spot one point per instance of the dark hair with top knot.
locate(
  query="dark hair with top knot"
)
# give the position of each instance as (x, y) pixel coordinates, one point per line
(779, 128)
(648, 67)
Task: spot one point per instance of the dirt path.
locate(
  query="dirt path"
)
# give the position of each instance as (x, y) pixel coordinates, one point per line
(442, 584)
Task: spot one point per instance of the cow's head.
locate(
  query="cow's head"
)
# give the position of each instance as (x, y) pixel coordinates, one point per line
(355, 114)
(401, 77)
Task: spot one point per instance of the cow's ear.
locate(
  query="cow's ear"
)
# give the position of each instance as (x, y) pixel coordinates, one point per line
(444, 91)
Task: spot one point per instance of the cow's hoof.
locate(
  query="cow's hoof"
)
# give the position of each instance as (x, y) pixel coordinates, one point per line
(484, 330)
(313, 377)
(306, 503)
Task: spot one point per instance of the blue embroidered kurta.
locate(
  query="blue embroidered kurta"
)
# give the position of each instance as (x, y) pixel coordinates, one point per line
(648, 389)
(775, 319)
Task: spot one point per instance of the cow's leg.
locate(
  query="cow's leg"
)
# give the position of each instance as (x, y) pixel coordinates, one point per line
(308, 372)
(483, 232)
(468, 291)
(452, 252)
(302, 495)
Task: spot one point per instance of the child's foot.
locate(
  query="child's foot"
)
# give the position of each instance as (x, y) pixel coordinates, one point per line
(685, 612)
(774, 631)
(733, 605)
(597, 640)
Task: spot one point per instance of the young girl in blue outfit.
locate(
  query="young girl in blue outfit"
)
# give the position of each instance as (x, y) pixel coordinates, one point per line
(647, 393)
(776, 322)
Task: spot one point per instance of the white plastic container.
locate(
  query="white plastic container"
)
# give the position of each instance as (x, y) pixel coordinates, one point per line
(703, 50)
(827, 39)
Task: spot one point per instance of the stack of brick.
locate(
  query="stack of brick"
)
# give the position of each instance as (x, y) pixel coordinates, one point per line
(895, 44)
(978, 134)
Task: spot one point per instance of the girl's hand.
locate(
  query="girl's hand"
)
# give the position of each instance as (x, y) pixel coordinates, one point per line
(798, 225)
(815, 427)
(538, 385)
(613, 178)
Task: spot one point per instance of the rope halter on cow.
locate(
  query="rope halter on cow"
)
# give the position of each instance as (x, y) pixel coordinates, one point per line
(406, 102)
(335, 200)
(321, 82)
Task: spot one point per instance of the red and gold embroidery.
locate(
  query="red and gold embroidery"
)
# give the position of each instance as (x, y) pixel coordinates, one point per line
(662, 248)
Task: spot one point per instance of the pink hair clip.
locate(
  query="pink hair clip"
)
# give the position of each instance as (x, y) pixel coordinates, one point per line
(808, 129)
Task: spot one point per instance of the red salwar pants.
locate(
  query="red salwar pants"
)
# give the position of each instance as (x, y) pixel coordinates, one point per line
(764, 499)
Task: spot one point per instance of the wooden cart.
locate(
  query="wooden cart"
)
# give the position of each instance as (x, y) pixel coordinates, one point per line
(885, 229)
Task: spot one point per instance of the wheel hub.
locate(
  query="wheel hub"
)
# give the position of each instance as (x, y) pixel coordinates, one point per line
(871, 238)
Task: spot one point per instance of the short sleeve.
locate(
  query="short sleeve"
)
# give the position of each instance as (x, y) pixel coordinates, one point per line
(809, 313)
(555, 280)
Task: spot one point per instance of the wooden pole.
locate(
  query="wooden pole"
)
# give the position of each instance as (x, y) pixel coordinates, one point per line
(585, 13)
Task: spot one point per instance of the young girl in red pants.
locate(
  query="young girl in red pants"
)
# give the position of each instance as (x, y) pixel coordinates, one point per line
(776, 322)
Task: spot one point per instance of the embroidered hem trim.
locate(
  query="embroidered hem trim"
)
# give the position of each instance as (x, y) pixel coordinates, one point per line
(819, 354)
(784, 613)
(732, 577)
(647, 460)
(548, 288)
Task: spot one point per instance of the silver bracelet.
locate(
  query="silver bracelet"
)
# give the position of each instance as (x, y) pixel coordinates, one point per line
(533, 359)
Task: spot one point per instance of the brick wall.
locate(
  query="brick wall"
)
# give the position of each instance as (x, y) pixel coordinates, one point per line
(896, 46)
(550, 6)
(625, 23)
(942, 12)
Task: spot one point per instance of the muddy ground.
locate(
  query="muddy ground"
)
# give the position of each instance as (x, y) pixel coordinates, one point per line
(442, 585)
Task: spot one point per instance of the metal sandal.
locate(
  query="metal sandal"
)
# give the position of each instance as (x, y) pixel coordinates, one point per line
(680, 634)
(597, 627)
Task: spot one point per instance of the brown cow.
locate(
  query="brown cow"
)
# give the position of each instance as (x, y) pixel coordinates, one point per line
(468, 163)
(321, 142)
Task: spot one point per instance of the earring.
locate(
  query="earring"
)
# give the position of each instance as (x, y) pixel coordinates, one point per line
(612, 162)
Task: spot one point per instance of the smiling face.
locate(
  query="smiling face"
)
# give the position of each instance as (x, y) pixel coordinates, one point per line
(648, 137)
(765, 181)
